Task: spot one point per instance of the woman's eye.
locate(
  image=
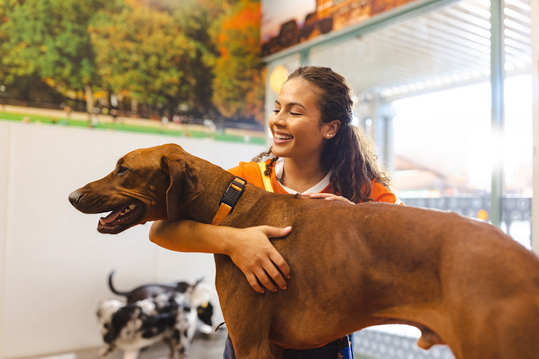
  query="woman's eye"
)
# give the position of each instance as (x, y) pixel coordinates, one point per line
(275, 111)
(295, 114)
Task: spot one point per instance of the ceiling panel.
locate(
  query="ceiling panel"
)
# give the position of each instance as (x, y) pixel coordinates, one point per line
(444, 48)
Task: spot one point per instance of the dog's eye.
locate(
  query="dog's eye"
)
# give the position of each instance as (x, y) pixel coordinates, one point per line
(121, 170)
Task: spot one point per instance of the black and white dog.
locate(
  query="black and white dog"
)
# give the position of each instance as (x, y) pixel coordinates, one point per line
(134, 326)
(153, 313)
(199, 296)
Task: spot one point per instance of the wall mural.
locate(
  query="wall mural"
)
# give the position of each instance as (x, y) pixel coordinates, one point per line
(286, 23)
(176, 62)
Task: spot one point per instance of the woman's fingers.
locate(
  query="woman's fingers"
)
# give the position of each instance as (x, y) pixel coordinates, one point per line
(265, 280)
(330, 197)
(276, 232)
(276, 276)
(279, 271)
(253, 282)
(281, 267)
(262, 264)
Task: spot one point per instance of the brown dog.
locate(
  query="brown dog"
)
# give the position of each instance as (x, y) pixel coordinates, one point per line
(460, 281)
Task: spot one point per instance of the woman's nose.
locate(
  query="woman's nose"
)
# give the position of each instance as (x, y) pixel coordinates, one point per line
(279, 118)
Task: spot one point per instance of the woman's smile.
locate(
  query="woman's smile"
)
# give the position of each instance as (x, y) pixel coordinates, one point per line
(281, 138)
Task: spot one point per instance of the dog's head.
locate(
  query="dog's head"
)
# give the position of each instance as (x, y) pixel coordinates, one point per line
(146, 185)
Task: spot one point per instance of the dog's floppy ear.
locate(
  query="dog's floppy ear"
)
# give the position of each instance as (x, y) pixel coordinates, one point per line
(184, 185)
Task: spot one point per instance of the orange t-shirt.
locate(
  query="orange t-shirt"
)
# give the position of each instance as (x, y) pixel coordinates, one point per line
(250, 171)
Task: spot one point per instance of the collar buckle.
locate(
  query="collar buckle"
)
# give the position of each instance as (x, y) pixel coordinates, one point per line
(230, 198)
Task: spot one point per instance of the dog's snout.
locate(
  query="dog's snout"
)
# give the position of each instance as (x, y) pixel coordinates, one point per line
(74, 197)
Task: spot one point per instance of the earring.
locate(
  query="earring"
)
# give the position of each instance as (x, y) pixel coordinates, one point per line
(329, 135)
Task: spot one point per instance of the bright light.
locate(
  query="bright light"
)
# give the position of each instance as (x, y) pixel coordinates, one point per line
(448, 133)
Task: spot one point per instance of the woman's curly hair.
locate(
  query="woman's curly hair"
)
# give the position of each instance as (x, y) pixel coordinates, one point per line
(349, 155)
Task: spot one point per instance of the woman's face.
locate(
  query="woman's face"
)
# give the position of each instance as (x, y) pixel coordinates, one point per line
(296, 122)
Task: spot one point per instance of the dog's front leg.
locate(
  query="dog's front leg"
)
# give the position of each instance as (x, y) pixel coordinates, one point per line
(247, 314)
(276, 350)
(170, 342)
(104, 351)
(131, 354)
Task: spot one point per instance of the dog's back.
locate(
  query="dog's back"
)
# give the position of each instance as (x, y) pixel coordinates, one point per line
(146, 291)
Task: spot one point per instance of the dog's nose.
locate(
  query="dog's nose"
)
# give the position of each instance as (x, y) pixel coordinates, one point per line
(74, 197)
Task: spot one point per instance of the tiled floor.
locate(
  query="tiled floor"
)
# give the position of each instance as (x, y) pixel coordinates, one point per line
(382, 345)
(202, 347)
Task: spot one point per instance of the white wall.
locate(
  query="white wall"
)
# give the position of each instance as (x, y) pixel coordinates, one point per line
(535, 76)
(53, 262)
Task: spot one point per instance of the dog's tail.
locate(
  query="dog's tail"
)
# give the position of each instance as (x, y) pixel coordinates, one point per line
(112, 289)
(198, 282)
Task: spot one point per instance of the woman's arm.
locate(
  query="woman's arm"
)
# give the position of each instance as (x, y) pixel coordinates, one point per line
(249, 248)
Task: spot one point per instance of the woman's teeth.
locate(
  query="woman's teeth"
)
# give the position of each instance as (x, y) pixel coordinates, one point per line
(283, 137)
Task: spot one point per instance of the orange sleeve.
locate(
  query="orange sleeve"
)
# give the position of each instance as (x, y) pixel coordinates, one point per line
(250, 172)
(379, 193)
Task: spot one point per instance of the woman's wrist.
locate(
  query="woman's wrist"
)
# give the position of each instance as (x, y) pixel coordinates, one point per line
(227, 240)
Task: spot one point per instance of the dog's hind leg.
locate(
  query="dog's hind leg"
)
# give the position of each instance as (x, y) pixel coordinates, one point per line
(514, 326)
(506, 329)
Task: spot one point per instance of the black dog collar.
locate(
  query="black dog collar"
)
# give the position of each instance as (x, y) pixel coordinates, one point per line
(230, 198)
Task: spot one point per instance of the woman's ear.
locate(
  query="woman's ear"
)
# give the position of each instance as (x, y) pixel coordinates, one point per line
(330, 129)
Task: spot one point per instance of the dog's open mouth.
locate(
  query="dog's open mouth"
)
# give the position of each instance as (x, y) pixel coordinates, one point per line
(122, 217)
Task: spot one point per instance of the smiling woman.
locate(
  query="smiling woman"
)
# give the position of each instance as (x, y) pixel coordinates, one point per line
(312, 131)
(316, 151)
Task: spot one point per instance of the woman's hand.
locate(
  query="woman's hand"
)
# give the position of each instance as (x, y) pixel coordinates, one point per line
(255, 256)
(330, 197)
(249, 248)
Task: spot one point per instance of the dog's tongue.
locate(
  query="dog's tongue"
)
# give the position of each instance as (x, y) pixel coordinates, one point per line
(112, 216)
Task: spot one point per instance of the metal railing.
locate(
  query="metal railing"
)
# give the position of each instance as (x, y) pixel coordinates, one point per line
(376, 344)
(516, 212)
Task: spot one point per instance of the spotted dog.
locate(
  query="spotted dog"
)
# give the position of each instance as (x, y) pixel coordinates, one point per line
(131, 327)
(199, 296)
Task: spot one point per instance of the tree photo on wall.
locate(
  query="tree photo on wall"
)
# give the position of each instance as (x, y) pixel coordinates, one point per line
(239, 81)
(199, 58)
(48, 40)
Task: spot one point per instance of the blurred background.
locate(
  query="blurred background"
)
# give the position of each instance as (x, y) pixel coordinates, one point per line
(444, 88)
